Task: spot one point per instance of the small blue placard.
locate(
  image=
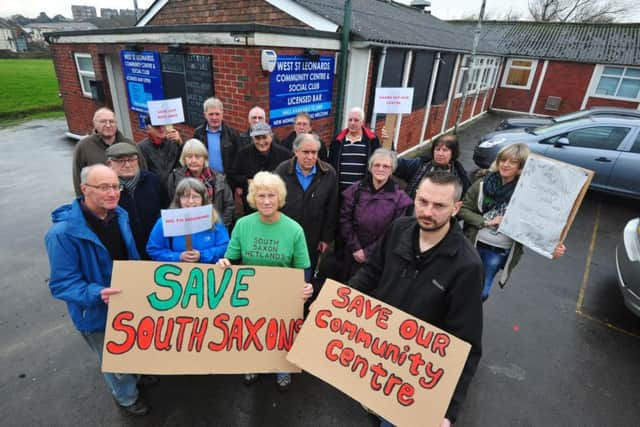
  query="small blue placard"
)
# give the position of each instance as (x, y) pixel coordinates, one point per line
(300, 84)
(143, 78)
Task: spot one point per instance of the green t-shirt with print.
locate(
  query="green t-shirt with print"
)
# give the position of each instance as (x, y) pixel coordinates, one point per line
(281, 244)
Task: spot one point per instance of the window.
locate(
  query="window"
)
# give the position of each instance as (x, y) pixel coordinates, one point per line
(482, 74)
(84, 65)
(518, 73)
(420, 77)
(619, 82)
(601, 137)
(636, 145)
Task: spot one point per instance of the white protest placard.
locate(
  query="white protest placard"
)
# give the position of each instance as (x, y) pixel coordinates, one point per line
(166, 111)
(393, 100)
(186, 221)
(544, 203)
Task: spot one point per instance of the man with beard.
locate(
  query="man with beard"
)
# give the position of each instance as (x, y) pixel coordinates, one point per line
(426, 267)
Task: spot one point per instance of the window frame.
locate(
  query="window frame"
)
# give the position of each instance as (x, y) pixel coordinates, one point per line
(83, 73)
(486, 65)
(509, 66)
(600, 73)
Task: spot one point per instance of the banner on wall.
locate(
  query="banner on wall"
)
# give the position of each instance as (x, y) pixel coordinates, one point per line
(300, 84)
(143, 78)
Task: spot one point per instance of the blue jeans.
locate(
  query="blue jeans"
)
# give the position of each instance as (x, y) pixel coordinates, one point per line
(493, 261)
(124, 387)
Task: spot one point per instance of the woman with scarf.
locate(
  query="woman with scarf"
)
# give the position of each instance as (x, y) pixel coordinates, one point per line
(368, 207)
(482, 210)
(195, 164)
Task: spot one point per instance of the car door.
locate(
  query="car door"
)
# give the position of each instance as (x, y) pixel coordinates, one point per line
(625, 176)
(593, 147)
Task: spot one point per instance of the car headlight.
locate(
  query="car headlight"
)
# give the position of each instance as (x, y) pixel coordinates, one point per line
(632, 239)
(492, 142)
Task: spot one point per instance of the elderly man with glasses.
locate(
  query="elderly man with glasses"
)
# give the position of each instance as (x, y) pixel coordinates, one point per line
(142, 195)
(91, 149)
(84, 240)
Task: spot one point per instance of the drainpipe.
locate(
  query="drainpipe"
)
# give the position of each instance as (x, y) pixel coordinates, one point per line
(381, 62)
(344, 52)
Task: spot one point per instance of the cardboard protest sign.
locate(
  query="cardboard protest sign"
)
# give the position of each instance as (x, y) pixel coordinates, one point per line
(166, 111)
(180, 222)
(183, 318)
(544, 203)
(402, 368)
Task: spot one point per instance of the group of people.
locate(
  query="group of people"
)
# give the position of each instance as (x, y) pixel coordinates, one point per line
(403, 246)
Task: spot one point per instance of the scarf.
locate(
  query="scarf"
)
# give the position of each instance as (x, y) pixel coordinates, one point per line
(496, 194)
(207, 178)
(130, 183)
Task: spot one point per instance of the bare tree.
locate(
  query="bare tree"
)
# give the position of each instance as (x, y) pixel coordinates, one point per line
(578, 10)
(492, 15)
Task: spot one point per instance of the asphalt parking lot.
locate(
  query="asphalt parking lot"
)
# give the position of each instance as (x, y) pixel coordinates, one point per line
(560, 348)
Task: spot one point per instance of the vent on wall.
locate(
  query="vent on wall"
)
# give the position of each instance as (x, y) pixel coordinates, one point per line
(553, 103)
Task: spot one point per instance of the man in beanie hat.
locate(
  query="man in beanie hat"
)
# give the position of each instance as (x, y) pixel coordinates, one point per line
(142, 195)
(161, 150)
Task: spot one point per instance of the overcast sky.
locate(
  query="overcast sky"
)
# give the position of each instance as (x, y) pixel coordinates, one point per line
(444, 9)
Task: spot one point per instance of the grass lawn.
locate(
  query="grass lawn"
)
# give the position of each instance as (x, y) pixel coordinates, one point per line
(27, 84)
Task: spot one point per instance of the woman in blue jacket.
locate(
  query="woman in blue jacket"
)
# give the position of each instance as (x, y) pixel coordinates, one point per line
(208, 246)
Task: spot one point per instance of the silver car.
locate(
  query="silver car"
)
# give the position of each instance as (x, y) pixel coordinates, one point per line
(628, 265)
(610, 146)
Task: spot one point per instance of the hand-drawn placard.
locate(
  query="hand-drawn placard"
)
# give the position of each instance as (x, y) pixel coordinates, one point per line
(180, 222)
(182, 318)
(544, 203)
(395, 364)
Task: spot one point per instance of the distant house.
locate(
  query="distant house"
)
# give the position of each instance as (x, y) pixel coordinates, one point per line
(12, 37)
(37, 29)
(556, 68)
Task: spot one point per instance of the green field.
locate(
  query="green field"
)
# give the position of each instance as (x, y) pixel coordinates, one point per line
(27, 86)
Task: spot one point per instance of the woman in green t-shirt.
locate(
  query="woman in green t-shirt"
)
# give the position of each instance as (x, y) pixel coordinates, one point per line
(268, 237)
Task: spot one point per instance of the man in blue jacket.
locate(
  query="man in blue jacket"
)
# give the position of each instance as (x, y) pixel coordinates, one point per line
(84, 240)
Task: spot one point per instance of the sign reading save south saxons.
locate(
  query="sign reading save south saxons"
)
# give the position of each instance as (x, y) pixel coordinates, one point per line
(300, 84)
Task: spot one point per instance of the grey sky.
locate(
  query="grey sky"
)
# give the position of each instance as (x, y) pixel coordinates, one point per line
(444, 9)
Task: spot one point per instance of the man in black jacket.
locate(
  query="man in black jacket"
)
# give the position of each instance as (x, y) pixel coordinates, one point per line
(426, 267)
(312, 195)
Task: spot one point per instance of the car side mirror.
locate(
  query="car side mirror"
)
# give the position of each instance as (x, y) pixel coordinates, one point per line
(561, 142)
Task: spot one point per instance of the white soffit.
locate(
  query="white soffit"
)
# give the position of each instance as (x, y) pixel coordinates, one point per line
(152, 12)
(303, 14)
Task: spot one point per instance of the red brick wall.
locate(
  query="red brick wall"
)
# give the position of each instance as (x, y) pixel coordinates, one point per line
(569, 81)
(237, 75)
(516, 99)
(222, 11)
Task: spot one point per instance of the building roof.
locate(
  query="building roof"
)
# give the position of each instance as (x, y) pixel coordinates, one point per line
(392, 23)
(577, 42)
(61, 26)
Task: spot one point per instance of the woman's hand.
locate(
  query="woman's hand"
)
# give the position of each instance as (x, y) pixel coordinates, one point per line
(359, 256)
(105, 293)
(495, 222)
(223, 263)
(190, 256)
(559, 251)
(307, 291)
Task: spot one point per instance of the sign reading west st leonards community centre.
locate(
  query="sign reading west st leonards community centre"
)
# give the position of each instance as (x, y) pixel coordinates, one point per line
(143, 77)
(299, 84)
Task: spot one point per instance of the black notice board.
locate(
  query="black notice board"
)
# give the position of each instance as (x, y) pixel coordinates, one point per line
(189, 77)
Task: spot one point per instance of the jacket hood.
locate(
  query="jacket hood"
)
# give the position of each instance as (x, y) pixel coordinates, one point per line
(365, 131)
(61, 214)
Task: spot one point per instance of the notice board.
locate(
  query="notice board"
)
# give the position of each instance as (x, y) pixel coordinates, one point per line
(143, 79)
(184, 318)
(400, 367)
(544, 203)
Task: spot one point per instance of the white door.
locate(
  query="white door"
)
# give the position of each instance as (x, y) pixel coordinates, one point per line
(118, 93)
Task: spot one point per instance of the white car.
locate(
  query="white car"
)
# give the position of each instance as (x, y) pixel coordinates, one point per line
(628, 265)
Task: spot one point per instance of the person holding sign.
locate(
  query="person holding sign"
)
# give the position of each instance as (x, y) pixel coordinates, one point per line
(376, 192)
(424, 266)
(195, 163)
(160, 149)
(207, 246)
(268, 238)
(482, 210)
(84, 240)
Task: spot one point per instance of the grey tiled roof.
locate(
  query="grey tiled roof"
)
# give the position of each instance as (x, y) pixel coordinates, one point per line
(591, 43)
(381, 21)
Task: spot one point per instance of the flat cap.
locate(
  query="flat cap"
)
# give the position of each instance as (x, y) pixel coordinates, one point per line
(260, 129)
(121, 149)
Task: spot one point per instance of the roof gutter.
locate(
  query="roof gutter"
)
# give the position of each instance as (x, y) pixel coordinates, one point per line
(364, 43)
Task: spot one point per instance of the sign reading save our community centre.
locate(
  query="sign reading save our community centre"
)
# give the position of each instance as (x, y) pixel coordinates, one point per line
(298, 84)
(183, 318)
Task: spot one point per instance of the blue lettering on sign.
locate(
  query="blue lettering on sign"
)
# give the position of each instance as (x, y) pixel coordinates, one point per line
(298, 84)
(143, 77)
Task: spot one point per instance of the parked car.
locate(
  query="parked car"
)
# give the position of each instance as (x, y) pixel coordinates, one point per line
(628, 265)
(609, 146)
(537, 121)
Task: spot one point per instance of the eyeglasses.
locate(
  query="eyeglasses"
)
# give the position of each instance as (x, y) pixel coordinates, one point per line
(105, 188)
(125, 160)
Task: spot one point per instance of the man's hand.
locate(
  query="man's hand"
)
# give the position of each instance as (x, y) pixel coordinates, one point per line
(105, 293)
(494, 222)
(307, 291)
(174, 135)
(322, 246)
(359, 256)
(445, 423)
(384, 133)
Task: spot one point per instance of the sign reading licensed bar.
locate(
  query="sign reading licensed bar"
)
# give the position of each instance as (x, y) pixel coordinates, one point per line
(402, 368)
(300, 84)
(183, 318)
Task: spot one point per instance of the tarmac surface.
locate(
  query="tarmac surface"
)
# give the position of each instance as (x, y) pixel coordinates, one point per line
(559, 347)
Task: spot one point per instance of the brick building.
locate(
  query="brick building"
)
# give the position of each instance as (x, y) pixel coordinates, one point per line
(391, 45)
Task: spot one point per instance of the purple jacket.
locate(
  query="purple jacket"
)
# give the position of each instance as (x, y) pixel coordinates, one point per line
(365, 214)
